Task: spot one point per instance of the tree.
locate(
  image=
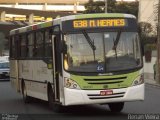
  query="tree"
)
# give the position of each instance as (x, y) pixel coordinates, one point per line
(155, 17)
(94, 7)
(145, 28)
(127, 7)
(113, 7)
(148, 41)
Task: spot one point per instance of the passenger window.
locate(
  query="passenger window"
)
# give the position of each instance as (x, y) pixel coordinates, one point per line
(23, 47)
(30, 46)
(39, 48)
(12, 50)
(48, 44)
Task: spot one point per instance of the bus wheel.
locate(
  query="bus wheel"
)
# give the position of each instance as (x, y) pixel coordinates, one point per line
(51, 100)
(26, 98)
(116, 107)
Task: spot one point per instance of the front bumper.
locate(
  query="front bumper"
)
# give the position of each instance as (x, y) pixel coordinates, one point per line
(79, 97)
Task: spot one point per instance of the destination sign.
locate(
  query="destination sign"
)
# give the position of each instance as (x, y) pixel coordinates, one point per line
(95, 23)
(100, 24)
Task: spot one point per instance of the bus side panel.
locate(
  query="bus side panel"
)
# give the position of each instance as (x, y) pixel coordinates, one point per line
(36, 75)
(14, 75)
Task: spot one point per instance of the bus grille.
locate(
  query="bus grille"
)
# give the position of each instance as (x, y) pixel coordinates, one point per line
(98, 96)
(105, 80)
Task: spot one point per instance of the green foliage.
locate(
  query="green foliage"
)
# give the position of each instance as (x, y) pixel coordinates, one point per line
(94, 7)
(145, 28)
(127, 7)
(113, 7)
(148, 41)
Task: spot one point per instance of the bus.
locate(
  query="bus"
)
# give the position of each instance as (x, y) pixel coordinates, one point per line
(78, 60)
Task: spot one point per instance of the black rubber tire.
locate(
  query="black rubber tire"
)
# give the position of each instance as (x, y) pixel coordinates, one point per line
(26, 98)
(116, 107)
(51, 100)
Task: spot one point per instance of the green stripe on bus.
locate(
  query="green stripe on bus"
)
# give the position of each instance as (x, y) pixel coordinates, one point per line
(30, 28)
(114, 15)
(44, 25)
(127, 82)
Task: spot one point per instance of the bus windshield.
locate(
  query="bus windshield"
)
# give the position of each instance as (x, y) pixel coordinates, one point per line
(114, 51)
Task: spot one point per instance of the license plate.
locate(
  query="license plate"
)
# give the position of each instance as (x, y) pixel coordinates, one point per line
(106, 92)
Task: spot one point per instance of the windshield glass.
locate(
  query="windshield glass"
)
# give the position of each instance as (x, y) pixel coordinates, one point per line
(124, 53)
(4, 65)
(113, 51)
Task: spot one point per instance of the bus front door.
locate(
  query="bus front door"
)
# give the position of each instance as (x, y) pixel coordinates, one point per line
(56, 62)
(14, 69)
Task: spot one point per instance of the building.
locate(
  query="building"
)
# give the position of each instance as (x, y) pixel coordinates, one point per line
(148, 12)
(69, 6)
(48, 5)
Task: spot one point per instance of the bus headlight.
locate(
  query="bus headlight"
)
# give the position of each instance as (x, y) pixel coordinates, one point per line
(139, 80)
(69, 83)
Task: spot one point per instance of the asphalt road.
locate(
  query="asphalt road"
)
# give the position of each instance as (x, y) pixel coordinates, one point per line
(11, 104)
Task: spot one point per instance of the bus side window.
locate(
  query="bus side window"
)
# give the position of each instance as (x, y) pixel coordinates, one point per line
(39, 49)
(12, 47)
(12, 50)
(16, 40)
(30, 45)
(23, 47)
(48, 44)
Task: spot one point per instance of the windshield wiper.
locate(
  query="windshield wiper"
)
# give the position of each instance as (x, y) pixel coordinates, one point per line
(115, 43)
(90, 42)
(114, 48)
(117, 40)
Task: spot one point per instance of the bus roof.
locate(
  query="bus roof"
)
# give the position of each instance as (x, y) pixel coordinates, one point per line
(71, 17)
(98, 15)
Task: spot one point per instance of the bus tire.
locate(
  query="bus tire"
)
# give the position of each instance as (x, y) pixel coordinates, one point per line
(116, 107)
(26, 98)
(51, 100)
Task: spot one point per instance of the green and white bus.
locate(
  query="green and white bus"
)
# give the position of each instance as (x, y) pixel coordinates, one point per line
(79, 59)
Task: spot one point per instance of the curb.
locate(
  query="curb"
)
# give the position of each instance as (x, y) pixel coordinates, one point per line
(151, 84)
